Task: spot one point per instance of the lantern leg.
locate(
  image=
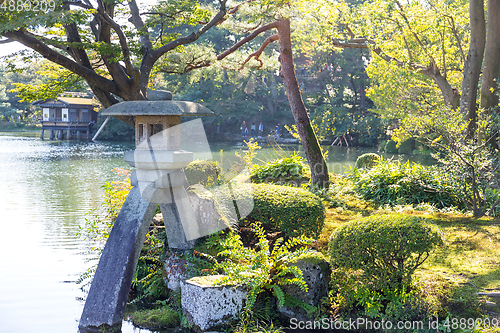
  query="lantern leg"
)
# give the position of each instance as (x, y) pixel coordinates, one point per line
(105, 304)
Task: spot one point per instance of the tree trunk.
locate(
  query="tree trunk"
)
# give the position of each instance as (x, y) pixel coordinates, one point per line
(491, 65)
(319, 171)
(473, 63)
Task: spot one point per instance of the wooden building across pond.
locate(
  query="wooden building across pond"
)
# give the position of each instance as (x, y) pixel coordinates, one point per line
(68, 117)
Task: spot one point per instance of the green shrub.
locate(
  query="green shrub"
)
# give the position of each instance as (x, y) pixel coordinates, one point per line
(292, 211)
(367, 161)
(203, 172)
(391, 148)
(406, 147)
(395, 183)
(280, 171)
(386, 249)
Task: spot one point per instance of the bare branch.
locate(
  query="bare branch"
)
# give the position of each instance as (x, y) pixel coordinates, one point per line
(159, 14)
(194, 35)
(247, 39)
(455, 34)
(257, 53)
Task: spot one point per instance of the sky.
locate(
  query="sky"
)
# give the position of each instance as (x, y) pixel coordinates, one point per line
(9, 48)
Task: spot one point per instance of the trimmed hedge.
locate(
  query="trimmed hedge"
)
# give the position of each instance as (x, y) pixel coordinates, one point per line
(386, 248)
(203, 172)
(292, 211)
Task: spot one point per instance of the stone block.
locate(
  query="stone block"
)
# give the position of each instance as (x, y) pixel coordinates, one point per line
(175, 270)
(207, 305)
(316, 271)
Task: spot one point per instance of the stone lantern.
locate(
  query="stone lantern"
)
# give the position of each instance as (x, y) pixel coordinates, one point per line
(157, 180)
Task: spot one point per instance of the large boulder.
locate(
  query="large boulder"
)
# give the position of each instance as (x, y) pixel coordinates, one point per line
(316, 271)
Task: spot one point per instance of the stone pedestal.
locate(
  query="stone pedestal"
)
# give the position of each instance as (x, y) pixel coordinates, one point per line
(207, 305)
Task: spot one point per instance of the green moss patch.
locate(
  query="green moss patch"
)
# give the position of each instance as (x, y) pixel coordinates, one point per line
(161, 318)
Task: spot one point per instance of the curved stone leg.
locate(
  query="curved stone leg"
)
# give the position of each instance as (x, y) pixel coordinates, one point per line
(105, 304)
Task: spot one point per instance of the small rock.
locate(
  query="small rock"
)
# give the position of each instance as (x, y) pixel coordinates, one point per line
(175, 270)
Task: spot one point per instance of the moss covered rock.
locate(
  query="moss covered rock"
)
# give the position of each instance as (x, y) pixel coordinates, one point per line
(367, 161)
(203, 172)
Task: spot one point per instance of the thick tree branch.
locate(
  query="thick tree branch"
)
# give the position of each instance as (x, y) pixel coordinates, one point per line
(138, 23)
(88, 74)
(246, 39)
(78, 4)
(491, 66)
(261, 49)
(132, 71)
(125, 84)
(5, 41)
(194, 35)
(152, 57)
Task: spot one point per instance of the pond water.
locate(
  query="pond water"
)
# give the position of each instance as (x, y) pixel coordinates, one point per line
(47, 187)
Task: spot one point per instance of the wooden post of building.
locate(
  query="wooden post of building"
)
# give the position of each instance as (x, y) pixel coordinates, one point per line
(41, 134)
(52, 134)
(59, 134)
(78, 135)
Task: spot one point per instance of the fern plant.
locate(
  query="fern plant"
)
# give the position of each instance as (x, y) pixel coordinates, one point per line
(261, 268)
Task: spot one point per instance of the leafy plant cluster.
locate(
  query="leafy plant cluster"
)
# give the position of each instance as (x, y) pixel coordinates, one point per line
(374, 259)
(291, 211)
(148, 283)
(281, 170)
(396, 183)
(263, 267)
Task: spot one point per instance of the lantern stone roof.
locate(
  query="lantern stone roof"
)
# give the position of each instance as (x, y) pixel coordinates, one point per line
(157, 108)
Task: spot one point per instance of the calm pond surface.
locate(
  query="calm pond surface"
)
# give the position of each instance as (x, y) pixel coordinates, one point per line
(47, 187)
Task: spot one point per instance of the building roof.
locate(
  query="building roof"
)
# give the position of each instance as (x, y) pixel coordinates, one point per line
(66, 101)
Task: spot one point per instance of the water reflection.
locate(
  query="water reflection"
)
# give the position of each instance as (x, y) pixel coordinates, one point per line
(47, 187)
